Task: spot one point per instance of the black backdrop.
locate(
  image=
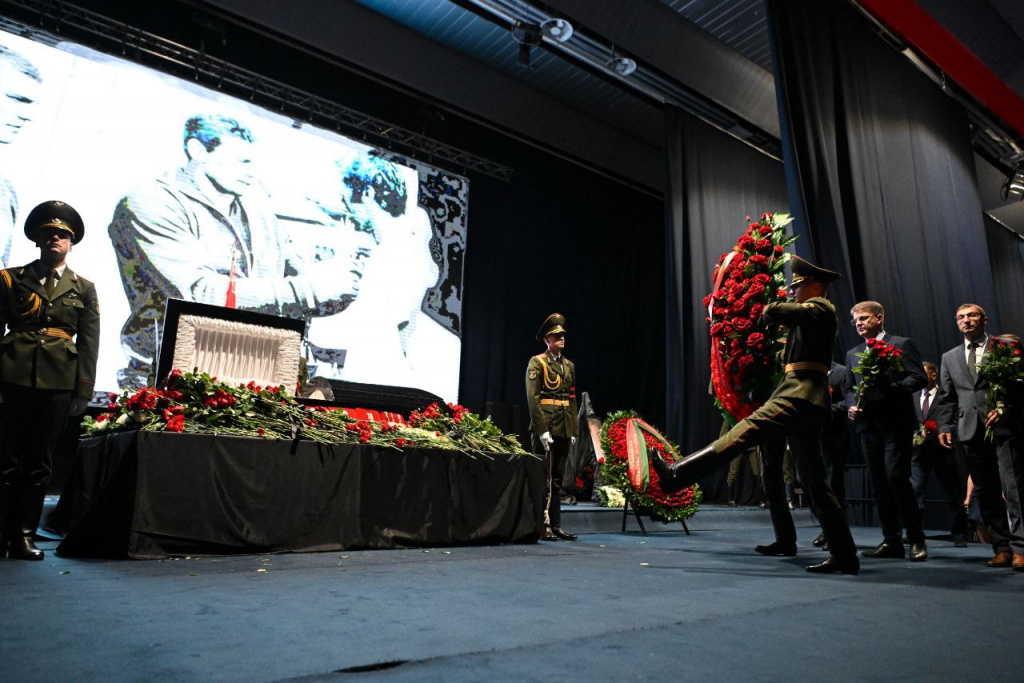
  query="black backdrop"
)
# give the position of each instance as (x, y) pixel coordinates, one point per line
(885, 188)
(714, 183)
(1006, 249)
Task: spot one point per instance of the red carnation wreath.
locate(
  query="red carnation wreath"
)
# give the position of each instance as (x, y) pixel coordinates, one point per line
(744, 369)
(621, 440)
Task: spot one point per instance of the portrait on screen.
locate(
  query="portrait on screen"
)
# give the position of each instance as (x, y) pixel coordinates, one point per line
(195, 195)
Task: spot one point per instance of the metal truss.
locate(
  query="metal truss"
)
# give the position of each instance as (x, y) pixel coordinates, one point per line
(50, 17)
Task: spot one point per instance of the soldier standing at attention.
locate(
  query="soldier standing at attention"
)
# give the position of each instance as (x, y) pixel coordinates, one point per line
(551, 396)
(51, 320)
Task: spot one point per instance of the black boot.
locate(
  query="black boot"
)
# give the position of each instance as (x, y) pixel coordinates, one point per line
(732, 493)
(30, 510)
(688, 471)
(790, 496)
(6, 516)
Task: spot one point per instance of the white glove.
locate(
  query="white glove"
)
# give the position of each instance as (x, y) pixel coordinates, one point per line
(572, 441)
(546, 440)
(78, 405)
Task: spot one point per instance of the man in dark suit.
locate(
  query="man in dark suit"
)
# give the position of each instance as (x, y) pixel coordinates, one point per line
(930, 457)
(990, 463)
(551, 397)
(796, 412)
(47, 368)
(883, 420)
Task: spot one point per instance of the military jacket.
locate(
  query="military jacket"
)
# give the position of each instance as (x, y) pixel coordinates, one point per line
(49, 342)
(812, 332)
(551, 395)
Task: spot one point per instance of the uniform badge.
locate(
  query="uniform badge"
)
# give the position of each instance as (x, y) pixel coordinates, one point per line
(532, 374)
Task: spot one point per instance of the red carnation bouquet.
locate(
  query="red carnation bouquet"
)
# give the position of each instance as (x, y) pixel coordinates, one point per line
(879, 366)
(744, 369)
(1003, 368)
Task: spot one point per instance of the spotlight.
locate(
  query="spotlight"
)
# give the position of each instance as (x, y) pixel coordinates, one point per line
(623, 66)
(558, 30)
(1014, 185)
(527, 35)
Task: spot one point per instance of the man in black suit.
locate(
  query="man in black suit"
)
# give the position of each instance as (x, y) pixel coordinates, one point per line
(963, 412)
(883, 420)
(930, 457)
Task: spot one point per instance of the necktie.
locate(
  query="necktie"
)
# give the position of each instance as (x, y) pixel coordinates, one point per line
(972, 360)
(926, 404)
(51, 282)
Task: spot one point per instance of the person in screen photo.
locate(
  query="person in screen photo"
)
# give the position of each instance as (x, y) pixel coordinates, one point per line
(20, 83)
(386, 335)
(209, 233)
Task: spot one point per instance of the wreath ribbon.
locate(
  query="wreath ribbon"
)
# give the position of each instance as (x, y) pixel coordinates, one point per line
(637, 458)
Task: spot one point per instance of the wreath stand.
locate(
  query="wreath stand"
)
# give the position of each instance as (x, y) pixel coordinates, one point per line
(636, 514)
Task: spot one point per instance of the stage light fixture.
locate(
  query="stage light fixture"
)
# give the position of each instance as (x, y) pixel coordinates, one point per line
(558, 30)
(623, 66)
(1014, 185)
(527, 35)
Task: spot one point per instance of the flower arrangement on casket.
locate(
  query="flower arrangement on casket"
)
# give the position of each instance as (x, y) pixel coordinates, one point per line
(1003, 368)
(744, 348)
(628, 444)
(198, 404)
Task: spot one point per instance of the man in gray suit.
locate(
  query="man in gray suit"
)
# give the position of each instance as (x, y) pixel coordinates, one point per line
(963, 412)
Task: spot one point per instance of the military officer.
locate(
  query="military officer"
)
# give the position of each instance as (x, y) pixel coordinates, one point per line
(551, 396)
(797, 411)
(51, 320)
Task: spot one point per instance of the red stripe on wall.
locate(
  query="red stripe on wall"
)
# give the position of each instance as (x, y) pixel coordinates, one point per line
(928, 37)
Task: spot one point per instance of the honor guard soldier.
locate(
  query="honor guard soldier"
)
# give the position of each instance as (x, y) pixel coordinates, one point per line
(50, 320)
(797, 411)
(551, 396)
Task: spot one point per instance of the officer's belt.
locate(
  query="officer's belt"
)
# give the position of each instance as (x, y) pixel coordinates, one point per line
(48, 331)
(553, 402)
(807, 365)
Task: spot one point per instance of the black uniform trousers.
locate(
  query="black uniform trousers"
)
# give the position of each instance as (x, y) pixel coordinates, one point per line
(888, 451)
(930, 458)
(555, 468)
(798, 423)
(33, 420)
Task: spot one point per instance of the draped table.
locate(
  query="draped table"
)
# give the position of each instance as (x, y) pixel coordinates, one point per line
(150, 495)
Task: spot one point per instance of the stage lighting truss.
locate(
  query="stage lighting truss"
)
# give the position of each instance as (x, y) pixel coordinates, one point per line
(69, 22)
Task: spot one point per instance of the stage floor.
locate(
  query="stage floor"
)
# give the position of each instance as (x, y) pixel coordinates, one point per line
(611, 606)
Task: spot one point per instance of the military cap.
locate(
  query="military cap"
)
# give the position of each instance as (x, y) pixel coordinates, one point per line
(805, 270)
(55, 214)
(553, 324)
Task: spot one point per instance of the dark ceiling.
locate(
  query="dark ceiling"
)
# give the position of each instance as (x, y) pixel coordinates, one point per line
(710, 57)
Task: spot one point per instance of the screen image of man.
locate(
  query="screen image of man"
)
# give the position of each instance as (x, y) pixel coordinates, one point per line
(50, 318)
(209, 233)
(19, 89)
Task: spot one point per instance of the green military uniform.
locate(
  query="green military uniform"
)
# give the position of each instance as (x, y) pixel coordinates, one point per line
(50, 321)
(796, 412)
(551, 397)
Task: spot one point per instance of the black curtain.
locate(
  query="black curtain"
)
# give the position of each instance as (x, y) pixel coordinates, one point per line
(561, 238)
(885, 187)
(1006, 251)
(713, 183)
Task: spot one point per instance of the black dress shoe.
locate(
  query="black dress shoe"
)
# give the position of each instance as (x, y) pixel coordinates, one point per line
(563, 534)
(836, 565)
(548, 534)
(22, 548)
(886, 549)
(960, 541)
(918, 552)
(777, 549)
(819, 541)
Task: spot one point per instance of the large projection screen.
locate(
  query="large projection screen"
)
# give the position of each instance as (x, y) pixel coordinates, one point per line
(189, 193)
